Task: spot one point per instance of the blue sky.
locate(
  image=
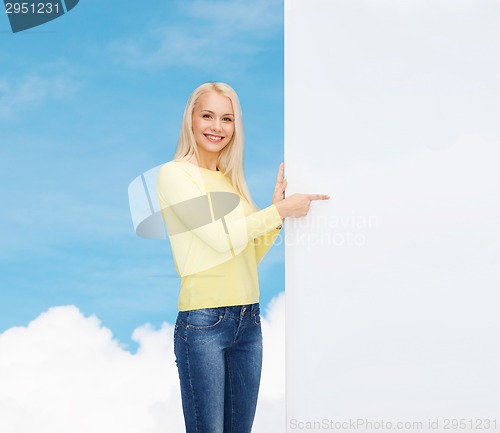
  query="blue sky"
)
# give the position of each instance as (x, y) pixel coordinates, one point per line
(93, 99)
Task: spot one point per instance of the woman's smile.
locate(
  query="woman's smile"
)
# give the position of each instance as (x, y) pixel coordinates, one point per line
(214, 138)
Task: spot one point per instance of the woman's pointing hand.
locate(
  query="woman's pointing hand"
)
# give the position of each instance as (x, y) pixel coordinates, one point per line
(297, 205)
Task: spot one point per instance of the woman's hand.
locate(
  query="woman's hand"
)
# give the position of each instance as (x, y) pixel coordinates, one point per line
(297, 205)
(279, 189)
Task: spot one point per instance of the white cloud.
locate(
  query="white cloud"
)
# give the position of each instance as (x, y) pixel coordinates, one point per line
(214, 36)
(259, 15)
(65, 372)
(19, 94)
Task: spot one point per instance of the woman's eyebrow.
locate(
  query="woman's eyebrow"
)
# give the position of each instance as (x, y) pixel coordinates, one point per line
(211, 112)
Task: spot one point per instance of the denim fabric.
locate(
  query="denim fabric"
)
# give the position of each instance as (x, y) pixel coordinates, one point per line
(218, 352)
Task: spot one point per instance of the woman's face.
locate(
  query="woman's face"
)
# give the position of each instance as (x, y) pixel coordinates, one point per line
(213, 122)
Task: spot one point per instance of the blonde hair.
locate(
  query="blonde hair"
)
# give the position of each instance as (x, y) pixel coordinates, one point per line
(230, 160)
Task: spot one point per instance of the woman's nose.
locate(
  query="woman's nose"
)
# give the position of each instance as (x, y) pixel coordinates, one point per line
(216, 125)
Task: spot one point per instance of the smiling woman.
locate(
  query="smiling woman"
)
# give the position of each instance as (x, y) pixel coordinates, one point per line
(218, 236)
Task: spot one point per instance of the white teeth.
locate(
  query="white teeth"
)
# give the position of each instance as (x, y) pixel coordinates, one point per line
(213, 138)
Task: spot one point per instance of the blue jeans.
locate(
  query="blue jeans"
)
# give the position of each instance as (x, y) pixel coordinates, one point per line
(218, 352)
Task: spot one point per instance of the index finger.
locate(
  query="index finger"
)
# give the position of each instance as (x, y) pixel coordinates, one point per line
(318, 196)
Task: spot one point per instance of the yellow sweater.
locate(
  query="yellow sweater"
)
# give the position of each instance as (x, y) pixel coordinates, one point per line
(217, 240)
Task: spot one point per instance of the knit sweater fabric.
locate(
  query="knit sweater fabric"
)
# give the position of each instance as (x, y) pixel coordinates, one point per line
(216, 237)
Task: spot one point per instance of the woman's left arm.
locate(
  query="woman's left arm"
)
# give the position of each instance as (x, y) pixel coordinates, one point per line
(264, 243)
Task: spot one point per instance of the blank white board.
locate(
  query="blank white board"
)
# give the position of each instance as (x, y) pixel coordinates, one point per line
(393, 285)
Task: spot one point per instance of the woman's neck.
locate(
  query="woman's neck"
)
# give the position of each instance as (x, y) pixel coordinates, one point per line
(206, 161)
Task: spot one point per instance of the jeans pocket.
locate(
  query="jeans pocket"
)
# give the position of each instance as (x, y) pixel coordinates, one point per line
(256, 317)
(205, 318)
(179, 329)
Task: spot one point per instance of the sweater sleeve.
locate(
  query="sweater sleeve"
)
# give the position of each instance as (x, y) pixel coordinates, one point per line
(187, 207)
(264, 243)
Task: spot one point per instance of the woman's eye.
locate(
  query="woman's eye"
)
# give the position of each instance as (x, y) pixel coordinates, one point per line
(206, 116)
(227, 119)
